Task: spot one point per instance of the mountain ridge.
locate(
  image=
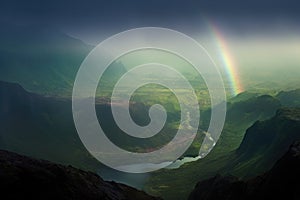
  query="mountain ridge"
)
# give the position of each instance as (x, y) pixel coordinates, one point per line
(280, 182)
(246, 163)
(23, 177)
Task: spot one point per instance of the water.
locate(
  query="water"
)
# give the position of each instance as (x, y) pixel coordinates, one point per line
(138, 180)
(180, 162)
(170, 165)
(144, 166)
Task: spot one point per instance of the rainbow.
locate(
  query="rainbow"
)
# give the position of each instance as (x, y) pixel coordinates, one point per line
(227, 60)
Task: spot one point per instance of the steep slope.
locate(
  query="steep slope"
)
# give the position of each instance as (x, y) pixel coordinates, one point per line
(240, 115)
(26, 178)
(281, 182)
(243, 114)
(265, 142)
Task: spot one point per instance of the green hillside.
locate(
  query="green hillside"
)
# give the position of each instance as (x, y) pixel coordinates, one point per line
(241, 114)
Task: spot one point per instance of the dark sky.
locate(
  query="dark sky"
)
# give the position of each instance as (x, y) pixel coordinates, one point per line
(121, 11)
(80, 17)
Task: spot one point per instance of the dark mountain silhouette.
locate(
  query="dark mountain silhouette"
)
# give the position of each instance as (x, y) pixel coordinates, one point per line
(281, 182)
(242, 111)
(265, 142)
(260, 147)
(22, 177)
(43, 127)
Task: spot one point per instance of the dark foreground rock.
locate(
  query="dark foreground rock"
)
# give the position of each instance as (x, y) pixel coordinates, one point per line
(281, 182)
(25, 178)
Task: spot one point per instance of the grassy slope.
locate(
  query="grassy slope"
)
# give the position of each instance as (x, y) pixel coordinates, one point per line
(240, 116)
